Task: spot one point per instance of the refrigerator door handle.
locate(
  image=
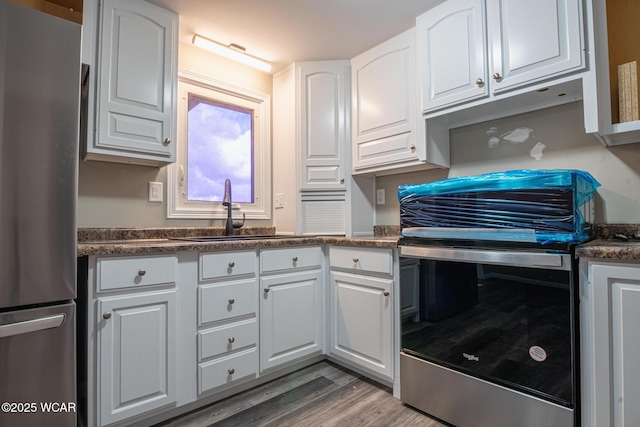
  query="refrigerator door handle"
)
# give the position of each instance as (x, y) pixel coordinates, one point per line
(33, 325)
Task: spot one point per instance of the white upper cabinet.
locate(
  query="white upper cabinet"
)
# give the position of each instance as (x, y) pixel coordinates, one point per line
(532, 41)
(321, 101)
(136, 84)
(386, 125)
(474, 49)
(451, 45)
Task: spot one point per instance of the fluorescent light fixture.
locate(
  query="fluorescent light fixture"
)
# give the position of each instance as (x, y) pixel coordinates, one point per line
(232, 51)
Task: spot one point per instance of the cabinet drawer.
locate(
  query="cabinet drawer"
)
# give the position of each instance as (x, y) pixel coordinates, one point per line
(364, 259)
(223, 339)
(135, 272)
(223, 301)
(227, 264)
(226, 370)
(290, 258)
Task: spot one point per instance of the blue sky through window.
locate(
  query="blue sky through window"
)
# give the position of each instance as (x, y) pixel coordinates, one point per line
(220, 146)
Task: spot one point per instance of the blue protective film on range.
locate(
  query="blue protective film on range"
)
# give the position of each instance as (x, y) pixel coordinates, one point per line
(512, 205)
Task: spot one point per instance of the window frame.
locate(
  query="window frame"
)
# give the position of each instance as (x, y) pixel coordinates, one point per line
(177, 204)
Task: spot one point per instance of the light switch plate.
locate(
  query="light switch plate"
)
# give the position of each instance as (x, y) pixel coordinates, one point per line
(278, 201)
(155, 191)
(380, 196)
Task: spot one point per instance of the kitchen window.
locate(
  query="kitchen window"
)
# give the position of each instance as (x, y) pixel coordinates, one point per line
(223, 133)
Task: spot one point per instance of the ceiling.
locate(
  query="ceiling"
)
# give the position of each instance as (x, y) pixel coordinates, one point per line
(284, 31)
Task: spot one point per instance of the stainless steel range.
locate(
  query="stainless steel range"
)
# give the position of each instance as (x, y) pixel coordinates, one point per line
(494, 339)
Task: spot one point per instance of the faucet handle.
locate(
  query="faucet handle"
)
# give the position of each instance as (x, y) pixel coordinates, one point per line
(240, 224)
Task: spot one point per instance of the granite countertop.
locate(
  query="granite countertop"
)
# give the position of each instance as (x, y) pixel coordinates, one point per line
(122, 241)
(116, 241)
(610, 243)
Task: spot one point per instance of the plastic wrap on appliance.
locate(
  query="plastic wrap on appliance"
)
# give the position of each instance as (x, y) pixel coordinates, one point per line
(519, 203)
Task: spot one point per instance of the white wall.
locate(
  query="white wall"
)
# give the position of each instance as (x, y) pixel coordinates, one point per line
(115, 195)
(561, 130)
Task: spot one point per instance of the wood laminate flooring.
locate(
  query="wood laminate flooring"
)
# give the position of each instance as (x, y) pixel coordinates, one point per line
(323, 394)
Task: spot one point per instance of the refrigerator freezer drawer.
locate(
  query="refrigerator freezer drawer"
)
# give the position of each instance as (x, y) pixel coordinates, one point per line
(37, 373)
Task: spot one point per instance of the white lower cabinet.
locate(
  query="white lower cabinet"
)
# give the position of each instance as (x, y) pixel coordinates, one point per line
(137, 354)
(169, 330)
(610, 343)
(227, 336)
(132, 335)
(291, 305)
(361, 308)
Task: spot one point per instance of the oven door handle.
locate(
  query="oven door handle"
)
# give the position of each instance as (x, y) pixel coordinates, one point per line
(480, 256)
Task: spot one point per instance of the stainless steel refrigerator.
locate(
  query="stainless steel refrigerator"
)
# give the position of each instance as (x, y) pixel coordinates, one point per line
(39, 116)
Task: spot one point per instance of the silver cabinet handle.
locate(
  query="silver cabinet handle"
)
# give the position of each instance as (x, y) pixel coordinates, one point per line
(106, 315)
(232, 301)
(142, 272)
(497, 77)
(341, 180)
(294, 259)
(355, 259)
(231, 371)
(231, 340)
(33, 325)
(232, 264)
(167, 141)
(412, 148)
(479, 82)
(385, 293)
(266, 290)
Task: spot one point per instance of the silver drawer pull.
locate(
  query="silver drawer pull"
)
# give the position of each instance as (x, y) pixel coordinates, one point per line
(142, 272)
(355, 259)
(232, 340)
(266, 290)
(231, 371)
(232, 264)
(232, 301)
(106, 315)
(294, 259)
(167, 141)
(385, 293)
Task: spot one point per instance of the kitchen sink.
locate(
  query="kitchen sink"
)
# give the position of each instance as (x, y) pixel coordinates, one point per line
(203, 239)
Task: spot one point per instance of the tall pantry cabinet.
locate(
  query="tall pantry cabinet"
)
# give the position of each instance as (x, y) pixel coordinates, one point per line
(314, 192)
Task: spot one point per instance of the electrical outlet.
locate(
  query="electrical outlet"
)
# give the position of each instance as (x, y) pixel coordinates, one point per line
(380, 196)
(155, 191)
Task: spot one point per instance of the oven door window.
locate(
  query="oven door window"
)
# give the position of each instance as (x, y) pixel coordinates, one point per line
(509, 325)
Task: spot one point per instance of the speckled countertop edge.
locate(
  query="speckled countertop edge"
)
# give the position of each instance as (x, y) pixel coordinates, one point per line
(123, 241)
(605, 247)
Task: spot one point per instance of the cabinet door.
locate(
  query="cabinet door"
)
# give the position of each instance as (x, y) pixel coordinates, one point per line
(291, 324)
(322, 106)
(385, 109)
(361, 321)
(451, 40)
(532, 41)
(611, 376)
(137, 354)
(137, 81)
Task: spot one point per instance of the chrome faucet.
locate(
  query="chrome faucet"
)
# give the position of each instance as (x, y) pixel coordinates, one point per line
(226, 201)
